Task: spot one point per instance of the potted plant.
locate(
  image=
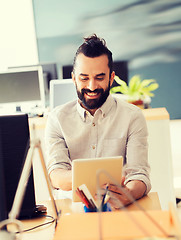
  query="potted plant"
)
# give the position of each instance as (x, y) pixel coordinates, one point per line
(138, 92)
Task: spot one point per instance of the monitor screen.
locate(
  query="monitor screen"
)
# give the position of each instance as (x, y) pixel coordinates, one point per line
(61, 92)
(50, 71)
(66, 71)
(22, 87)
(121, 69)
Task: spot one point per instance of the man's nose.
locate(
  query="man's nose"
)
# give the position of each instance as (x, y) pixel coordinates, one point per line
(92, 85)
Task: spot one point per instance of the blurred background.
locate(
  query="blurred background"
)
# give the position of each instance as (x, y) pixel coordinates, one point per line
(144, 34)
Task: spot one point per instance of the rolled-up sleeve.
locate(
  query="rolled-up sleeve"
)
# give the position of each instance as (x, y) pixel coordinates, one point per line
(137, 166)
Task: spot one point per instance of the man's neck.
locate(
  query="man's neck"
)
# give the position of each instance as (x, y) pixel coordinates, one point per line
(91, 111)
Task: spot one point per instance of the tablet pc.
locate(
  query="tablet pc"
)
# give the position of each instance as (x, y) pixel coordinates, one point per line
(84, 171)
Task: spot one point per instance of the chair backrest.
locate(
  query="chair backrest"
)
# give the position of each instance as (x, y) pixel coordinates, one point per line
(14, 145)
(61, 91)
(3, 212)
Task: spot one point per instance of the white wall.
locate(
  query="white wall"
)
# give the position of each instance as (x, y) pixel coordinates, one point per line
(18, 44)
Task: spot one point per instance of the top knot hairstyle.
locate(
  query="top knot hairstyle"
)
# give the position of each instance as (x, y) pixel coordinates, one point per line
(94, 46)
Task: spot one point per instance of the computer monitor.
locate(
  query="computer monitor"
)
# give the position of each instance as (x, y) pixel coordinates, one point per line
(121, 69)
(49, 72)
(61, 92)
(66, 71)
(22, 89)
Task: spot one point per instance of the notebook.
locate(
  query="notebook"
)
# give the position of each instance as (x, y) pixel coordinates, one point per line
(14, 145)
(84, 171)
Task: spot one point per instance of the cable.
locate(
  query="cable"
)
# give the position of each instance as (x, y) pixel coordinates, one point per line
(40, 225)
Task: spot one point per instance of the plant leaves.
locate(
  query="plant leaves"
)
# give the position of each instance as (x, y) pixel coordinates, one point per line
(150, 88)
(136, 89)
(120, 81)
(123, 88)
(115, 89)
(134, 84)
(153, 87)
(146, 82)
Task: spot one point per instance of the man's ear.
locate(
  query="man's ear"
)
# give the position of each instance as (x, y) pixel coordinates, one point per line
(112, 78)
(73, 77)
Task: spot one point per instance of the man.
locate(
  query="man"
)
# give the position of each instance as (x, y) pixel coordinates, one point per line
(97, 125)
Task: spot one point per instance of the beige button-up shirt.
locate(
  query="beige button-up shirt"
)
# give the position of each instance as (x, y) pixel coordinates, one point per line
(116, 129)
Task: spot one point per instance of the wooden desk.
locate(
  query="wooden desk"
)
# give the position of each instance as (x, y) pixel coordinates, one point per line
(155, 114)
(150, 202)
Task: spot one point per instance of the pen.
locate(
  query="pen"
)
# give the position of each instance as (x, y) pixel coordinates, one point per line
(104, 196)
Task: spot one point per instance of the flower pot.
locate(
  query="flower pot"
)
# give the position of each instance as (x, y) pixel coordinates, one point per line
(138, 103)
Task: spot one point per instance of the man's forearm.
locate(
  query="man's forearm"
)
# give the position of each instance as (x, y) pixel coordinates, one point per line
(137, 188)
(61, 178)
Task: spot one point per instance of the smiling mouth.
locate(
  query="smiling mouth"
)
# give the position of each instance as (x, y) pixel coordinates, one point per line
(92, 94)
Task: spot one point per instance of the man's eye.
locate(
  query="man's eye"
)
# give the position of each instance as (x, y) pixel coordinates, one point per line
(100, 78)
(84, 78)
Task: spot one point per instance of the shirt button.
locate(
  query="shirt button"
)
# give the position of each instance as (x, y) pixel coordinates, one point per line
(93, 146)
(93, 124)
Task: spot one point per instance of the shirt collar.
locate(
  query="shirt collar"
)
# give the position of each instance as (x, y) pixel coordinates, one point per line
(105, 108)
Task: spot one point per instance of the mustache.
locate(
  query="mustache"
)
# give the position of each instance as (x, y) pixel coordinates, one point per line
(89, 91)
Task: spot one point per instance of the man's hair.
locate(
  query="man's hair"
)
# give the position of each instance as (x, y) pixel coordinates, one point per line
(94, 46)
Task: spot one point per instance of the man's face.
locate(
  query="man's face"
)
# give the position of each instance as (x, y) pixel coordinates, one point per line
(92, 80)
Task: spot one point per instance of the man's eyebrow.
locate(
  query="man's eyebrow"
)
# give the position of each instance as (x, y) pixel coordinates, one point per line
(100, 74)
(97, 75)
(83, 74)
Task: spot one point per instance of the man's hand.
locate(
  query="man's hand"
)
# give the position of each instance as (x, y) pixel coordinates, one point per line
(118, 198)
(61, 178)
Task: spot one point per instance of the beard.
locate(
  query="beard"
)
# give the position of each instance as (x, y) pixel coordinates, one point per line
(93, 103)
